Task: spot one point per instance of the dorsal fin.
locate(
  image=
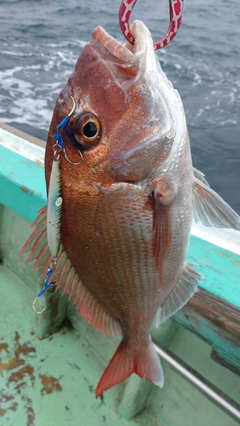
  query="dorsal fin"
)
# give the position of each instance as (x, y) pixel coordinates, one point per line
(200, 176)
(66, 277)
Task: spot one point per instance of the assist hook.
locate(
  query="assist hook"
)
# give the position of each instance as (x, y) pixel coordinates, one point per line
(175, 12)
(59, 145)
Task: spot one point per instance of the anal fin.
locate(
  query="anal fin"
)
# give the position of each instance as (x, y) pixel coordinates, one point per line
(66, 277)
(185, 289)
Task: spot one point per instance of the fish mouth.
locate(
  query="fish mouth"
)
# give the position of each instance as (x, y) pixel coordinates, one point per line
(125, 61)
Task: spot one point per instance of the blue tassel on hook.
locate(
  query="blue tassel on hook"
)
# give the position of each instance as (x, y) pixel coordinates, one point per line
(46, 283)
(58, 137)
(41, 292)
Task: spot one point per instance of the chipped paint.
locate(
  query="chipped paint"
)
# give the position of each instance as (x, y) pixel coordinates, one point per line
(50, 385)
(18, 373)
(16, 370)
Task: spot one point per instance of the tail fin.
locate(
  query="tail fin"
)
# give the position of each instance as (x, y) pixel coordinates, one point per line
(144, 362)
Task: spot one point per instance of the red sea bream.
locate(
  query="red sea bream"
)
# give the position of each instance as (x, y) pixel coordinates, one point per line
(127, 208)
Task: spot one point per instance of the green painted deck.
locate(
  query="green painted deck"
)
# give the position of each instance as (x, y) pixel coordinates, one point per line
(51, 381)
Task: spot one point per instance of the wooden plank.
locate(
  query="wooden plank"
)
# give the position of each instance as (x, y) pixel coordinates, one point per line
(216, 322)
(220, 269)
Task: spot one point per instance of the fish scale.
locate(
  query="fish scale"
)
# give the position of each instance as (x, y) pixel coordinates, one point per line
(131, 252)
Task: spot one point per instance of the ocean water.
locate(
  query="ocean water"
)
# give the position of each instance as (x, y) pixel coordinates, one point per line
(40, 41)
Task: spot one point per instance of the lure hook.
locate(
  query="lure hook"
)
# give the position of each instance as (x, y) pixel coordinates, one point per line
(175, 12)
(59, 145)
(34, 308)
(47, 285)
(71, 162)
(73, 107)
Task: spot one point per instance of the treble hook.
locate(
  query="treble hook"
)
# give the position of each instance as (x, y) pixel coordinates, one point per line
(175, 12)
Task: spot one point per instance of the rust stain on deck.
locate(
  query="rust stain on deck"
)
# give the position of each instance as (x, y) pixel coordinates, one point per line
(12, 407)
(18, 374)
(14, 370)
(2, 412)
(17, 361)
(3, 346)
(50, 384)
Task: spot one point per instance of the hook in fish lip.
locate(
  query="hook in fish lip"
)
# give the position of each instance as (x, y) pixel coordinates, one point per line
(59, 139)
(73, 107)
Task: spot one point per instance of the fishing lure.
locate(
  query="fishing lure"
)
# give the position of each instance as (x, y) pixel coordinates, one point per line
(54, 208)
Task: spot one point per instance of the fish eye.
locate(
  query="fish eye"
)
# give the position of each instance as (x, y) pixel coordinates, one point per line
(87, 129)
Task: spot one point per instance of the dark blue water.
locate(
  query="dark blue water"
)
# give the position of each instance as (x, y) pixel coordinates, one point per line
(40, 41)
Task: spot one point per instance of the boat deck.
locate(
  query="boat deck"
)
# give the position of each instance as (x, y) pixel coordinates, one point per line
(51, 380)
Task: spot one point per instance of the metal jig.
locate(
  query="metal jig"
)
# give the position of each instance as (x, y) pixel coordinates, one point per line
(175, 12)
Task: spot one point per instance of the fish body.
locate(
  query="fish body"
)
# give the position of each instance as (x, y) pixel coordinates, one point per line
(127, 208)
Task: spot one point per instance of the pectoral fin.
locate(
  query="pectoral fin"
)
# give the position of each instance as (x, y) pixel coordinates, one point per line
(164, 194)
(185, 289)
(211, 209)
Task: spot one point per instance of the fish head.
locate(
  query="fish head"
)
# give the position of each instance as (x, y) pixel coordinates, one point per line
(123, 123)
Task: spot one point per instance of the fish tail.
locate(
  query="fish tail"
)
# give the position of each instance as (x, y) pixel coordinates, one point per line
(143, 361)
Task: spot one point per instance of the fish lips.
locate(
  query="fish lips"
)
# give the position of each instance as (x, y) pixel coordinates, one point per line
(125, 61)
(129, 63)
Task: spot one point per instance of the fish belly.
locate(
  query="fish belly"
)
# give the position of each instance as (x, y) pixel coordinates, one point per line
(108, 239)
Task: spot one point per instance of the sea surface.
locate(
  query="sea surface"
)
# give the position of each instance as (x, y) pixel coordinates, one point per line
(40, 41)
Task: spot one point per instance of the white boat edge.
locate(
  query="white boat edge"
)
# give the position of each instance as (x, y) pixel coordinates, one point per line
(34, 150)
(228, 239)
(22, 143)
